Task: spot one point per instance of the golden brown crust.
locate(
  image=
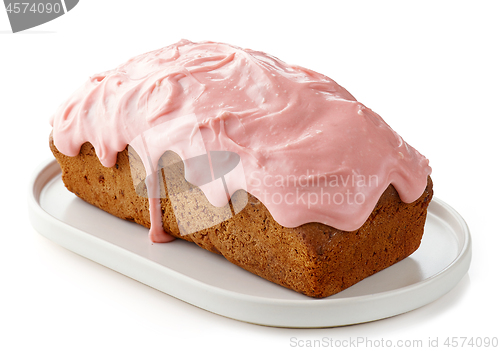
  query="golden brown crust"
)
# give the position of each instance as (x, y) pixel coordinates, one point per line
(314, 259)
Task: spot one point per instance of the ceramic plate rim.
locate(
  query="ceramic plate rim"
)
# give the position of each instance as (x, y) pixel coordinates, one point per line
(452, 273)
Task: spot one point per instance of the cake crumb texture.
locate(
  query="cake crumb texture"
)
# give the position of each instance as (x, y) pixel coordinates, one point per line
(314, 259)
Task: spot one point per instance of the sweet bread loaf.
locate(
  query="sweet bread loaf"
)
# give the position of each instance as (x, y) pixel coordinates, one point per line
(275, 167)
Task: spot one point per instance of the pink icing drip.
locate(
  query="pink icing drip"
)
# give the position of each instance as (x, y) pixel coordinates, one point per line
(156, 232)
(305, 143)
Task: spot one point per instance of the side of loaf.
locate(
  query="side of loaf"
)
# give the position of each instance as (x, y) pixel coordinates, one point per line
(314, 259)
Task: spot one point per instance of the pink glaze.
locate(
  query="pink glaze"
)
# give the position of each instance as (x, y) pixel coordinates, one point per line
(310, 152)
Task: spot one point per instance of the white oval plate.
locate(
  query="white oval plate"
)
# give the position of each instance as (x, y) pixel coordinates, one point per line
(207, 280)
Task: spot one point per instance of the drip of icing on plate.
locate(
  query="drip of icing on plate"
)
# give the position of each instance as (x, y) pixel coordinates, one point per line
(309, 151)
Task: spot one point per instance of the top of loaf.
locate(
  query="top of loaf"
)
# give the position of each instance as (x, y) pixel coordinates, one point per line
(307, 149)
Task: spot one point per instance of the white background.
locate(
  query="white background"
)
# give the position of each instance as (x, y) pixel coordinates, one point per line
(429, 68)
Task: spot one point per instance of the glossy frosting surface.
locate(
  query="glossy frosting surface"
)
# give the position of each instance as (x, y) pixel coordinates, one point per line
(308, 150)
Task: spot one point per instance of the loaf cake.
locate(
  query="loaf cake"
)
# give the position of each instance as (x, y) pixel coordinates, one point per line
(274, 166)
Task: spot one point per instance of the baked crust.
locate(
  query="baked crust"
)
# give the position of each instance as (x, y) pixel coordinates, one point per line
(314, 259)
